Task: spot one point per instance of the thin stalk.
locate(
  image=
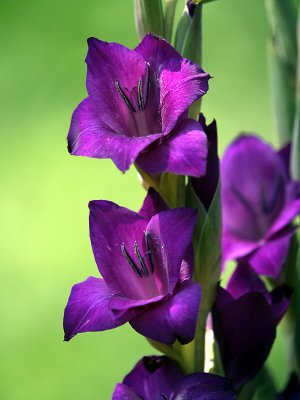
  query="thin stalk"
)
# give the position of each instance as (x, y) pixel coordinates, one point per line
(170, 9)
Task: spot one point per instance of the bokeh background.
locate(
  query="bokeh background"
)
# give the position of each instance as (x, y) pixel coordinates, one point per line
(44, 246)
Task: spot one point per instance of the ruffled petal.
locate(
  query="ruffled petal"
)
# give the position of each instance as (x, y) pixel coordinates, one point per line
(172, 236)
(184, 152)
(174, 319)
(106, 64)
(90, 136)
(110, 227)
(87, 309)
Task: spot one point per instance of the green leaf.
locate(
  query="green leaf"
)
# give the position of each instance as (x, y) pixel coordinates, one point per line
(282, 16)
(262, 387)
(148, 17)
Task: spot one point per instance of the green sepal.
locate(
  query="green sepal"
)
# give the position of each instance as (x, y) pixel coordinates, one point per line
(207, 244)
(149, 17)
(261, 387)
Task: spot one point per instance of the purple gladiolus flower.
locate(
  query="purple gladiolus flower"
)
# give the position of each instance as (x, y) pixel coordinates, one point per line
(146, 277)
(158, 378)
(244, 319)
(259, 203)
(136, 109)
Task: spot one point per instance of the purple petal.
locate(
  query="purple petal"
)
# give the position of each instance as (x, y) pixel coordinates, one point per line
(172, 229)
(110, 226)
(253, 187)
(245, 330)
(121, 305)
(280, 300)
(181, 83)
(184, 152)
(87, 309)
(175, 319)
(288, 213)
(202, 386)
(89, 136)
(108, 63)
(234, 247)
(123, 392)
(153, 376)
(245, 280)
(269, 258)
(205, 187)
(153, 204)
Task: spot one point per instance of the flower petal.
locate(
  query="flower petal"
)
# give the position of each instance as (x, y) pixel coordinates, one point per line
(245, 280)
(269, 258)
(234, 247)
(181, 83)
(173, 232)
(153, 204)
(203, 386)
(245, 330)
(87, 309)
(184, 152)
(253, 193)
(153, 376)
(89, 136)
(123, 392)
(110, 227)
(175, 319)
(106, 64)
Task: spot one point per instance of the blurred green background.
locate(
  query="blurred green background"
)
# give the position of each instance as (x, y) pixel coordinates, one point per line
(44, 244)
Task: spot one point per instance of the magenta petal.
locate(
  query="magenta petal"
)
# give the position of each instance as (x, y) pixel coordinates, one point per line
(184, 152)
(89, 136)
(123, 392)
(181, 83)
(87, 309)
(245, 280)
(234, 248)
(110, 226)
(175, 319)
(108, 63)
(174, 229)
(269, 258)
(253, 193)
(289, 212)
(153, 204)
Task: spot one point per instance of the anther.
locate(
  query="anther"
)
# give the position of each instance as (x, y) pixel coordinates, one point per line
(147, 82)
(144, 269)
(140, 95)
(130, 261)
(149, 252)
(124, 97)
(163, 396)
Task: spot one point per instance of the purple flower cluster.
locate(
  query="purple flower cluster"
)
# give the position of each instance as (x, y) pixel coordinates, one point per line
(137, 112)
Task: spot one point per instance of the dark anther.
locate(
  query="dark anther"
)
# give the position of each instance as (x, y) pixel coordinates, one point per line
(163, 396)
(124, 97)
(140, 95)
(144, 269)
(149, 252)
(130, 261)
(147, 82)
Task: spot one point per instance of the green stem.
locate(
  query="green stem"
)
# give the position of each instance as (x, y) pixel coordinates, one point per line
(295, 160)
(169, 19)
